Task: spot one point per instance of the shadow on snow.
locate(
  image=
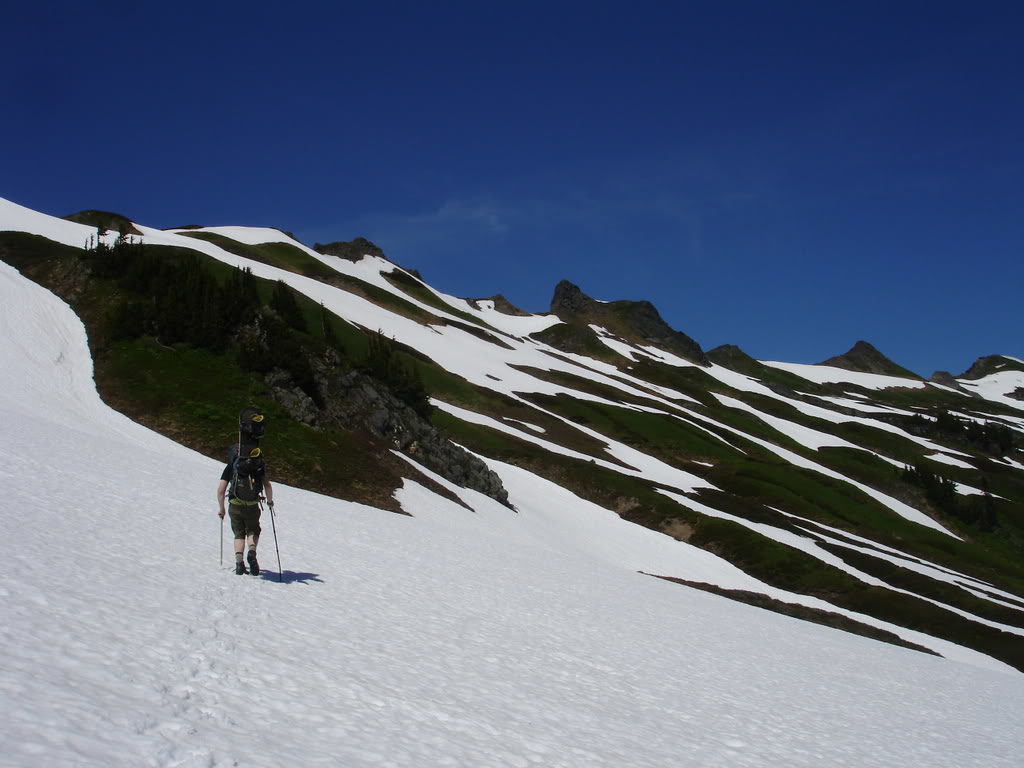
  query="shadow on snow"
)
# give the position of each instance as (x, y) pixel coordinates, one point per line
(287, 577)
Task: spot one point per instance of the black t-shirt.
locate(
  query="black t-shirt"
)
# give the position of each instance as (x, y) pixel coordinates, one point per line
(229, 468)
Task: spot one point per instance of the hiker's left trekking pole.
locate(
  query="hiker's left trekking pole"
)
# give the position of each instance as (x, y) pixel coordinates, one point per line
(222, 541)
(273, 527)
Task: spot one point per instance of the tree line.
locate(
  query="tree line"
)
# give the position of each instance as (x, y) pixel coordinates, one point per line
(991, 437)
(978, 510)
(175, 297)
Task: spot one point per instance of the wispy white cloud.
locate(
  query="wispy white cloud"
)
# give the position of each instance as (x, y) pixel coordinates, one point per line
(465, 222)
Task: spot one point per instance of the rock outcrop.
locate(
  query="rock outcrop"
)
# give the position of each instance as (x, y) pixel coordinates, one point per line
(351, 399)
(503, 305)
(352, 250)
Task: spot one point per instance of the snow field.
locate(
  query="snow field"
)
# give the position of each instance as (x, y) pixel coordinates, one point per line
(997, 387)
(827, 374)
(452, 638)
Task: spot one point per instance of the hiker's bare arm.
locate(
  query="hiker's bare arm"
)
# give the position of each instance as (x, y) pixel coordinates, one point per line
(222, 488)
(268, 491)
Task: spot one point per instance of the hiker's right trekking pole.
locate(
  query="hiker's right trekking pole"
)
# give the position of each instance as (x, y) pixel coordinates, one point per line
(273, 527)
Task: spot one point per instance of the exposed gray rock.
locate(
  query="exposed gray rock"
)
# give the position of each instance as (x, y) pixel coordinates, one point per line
(355, 400)
(570, 299)
(358, 400)
(352, 399)
(299, 405)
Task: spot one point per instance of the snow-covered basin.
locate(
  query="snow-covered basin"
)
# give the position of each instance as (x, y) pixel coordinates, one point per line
(396, 641)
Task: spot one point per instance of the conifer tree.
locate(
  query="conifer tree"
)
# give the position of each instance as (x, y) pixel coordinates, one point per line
(283, 302)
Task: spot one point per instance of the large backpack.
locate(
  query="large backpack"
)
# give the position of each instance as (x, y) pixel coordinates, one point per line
(247, 470)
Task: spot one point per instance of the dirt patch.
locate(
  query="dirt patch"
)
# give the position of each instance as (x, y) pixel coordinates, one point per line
(679, 530)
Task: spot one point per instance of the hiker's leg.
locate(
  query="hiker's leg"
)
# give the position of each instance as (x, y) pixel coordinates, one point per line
(252, 526)
(236, 513)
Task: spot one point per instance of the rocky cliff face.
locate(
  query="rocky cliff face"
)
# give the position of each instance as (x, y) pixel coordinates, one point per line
(354, 400)
(635, 321)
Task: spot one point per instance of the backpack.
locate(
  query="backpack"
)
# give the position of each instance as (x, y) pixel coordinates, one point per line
(247, 470)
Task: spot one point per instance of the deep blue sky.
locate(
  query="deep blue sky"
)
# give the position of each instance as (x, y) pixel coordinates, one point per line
(786, 176)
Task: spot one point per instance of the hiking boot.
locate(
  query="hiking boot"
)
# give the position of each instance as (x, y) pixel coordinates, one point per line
(239, 568)
(254, 567)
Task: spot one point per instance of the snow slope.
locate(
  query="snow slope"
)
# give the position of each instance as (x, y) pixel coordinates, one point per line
(997, 387)
(827, 374)
(452, 637)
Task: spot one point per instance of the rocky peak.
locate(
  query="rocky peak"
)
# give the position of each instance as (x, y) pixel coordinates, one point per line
(569, 299)
(865, 358)
(635, 321)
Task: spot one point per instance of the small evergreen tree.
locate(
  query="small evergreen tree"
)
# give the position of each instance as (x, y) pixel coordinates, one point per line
(283, 302)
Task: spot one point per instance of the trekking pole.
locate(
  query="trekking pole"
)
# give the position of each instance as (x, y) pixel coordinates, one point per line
(273, 527)
(222, 542)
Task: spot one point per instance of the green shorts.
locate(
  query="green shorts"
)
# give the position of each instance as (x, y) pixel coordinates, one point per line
(245, 519)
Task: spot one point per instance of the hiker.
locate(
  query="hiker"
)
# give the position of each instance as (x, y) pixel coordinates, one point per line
(247, 490)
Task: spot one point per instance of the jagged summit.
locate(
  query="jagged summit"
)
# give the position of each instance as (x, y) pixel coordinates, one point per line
(636, 321)
(350, 250)
(865, 358)
(569, 298)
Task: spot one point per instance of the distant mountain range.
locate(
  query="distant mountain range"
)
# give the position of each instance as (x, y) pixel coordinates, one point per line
(854, 492)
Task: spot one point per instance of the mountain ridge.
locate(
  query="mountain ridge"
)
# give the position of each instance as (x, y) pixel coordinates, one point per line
(636, 321)
(743, 456)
